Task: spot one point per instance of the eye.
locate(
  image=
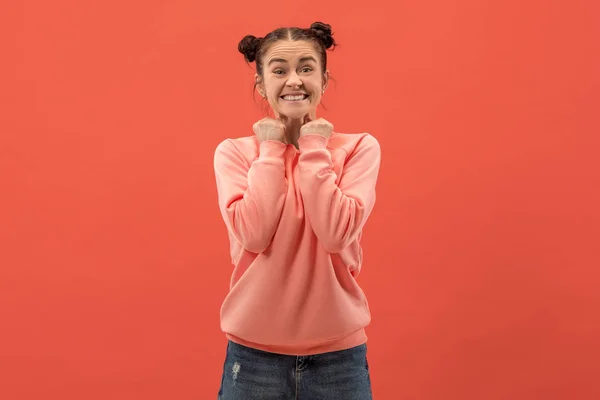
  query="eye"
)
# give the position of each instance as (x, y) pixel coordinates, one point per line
(306, 69)
(278, 72)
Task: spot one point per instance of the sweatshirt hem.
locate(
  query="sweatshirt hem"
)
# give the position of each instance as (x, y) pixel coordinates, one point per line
(354, 339)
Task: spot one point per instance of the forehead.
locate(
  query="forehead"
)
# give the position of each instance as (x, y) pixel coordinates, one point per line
(291, 50)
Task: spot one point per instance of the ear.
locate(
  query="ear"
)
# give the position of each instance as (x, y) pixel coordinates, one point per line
(325, 79)
(260, 87)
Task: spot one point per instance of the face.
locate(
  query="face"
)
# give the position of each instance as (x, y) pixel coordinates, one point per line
(292, 80)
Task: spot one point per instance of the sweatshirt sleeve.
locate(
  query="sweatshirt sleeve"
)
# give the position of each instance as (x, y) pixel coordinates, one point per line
(251, 196)
(338, 213)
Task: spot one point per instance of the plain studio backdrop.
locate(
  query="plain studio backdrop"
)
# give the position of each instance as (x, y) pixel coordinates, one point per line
(482, 255)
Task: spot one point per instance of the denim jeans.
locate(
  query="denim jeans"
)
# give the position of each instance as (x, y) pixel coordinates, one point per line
(251, 374)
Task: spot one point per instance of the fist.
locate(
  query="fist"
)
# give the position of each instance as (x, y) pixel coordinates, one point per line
(269, 129)
(319, 126)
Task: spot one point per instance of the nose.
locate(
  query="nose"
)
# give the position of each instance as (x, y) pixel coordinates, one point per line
(294, 80)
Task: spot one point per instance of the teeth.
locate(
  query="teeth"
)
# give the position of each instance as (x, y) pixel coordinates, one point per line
(294, 98)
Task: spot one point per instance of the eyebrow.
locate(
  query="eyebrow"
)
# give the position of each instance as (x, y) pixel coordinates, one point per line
(303, 59)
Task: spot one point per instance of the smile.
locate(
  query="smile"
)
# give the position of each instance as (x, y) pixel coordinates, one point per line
(299, 97)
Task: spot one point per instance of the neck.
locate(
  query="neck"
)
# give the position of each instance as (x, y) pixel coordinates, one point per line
(293, 125)
(292, 131)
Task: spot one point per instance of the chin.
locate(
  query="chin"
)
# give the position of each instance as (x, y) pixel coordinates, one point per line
(296, 114)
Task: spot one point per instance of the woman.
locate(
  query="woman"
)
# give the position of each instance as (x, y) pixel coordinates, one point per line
(295, 197)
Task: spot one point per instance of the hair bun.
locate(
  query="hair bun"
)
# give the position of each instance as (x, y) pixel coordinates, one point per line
(248, 46)
(323, 32)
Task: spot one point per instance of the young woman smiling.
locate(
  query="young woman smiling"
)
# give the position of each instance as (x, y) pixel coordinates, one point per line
(295, 197)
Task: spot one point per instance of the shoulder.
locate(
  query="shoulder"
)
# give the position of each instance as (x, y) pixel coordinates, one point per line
(354, 142)
(242, 148)
(243, 145)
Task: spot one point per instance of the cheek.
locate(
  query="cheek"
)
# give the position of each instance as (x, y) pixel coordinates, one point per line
(316, 88)
(272, 94)
(316, 97)
(273, 102)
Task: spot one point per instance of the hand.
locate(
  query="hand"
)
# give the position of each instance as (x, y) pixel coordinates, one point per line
(269, 129)
(319, 126)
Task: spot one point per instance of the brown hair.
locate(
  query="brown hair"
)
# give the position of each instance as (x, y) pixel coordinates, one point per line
(319, 33)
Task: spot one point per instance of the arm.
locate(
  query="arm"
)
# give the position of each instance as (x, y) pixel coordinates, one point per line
(251, 197)
(338, 213)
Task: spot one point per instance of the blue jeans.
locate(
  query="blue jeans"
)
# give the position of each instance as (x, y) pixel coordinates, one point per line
(250, 374)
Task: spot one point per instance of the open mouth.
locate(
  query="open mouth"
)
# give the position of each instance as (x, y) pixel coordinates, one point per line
(295, 97)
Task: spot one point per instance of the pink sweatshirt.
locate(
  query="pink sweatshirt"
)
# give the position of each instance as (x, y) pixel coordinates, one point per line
(295, 220)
